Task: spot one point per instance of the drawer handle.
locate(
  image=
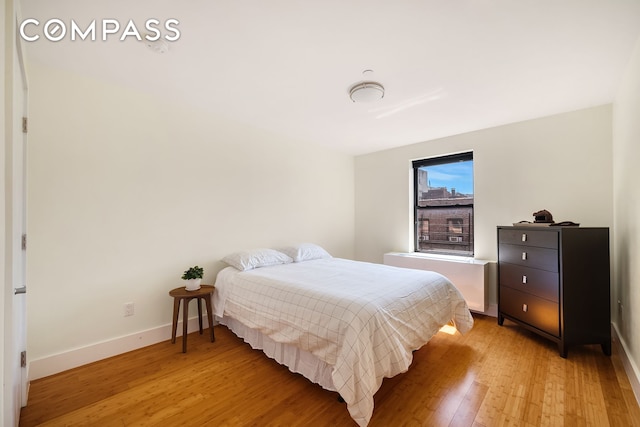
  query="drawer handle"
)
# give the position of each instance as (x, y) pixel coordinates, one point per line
(524, 237)
(524, 256)
(525, 307)
(524, 279)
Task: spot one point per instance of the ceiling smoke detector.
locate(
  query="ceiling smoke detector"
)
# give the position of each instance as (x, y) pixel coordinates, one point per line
(366, 91)
(157, 46)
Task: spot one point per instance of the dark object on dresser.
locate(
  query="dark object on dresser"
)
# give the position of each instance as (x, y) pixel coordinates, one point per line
(543, 216)
(555, 282)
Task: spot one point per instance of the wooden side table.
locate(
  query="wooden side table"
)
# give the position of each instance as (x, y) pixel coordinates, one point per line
(181, 294)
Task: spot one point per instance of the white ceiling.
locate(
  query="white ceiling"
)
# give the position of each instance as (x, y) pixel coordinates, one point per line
(448, 66)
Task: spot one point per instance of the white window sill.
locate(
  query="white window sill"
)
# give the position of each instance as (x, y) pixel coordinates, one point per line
(442, 257)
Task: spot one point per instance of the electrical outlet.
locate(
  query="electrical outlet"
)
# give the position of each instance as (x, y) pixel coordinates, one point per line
(128, 309)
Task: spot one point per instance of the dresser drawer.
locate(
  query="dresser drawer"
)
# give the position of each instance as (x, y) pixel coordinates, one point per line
(538, 312)
(528, 256)
(542, 283)
(525, 237)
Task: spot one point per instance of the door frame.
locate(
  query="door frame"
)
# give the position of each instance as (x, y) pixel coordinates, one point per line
(21, 91)
(4, 290)
(13, 216)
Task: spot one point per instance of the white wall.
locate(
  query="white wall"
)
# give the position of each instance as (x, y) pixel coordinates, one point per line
(127, 191)
(626, 179)
(562, 163)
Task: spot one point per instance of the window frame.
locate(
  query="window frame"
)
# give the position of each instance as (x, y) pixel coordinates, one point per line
(470, 243)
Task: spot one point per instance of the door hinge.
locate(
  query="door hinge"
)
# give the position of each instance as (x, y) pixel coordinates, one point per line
(24, 242)
(23, 359)
(25, 123)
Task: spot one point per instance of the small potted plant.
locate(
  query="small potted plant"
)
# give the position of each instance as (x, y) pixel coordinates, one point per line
(193, 276)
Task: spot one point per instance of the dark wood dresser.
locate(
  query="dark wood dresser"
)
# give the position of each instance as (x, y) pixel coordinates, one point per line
(554, 281)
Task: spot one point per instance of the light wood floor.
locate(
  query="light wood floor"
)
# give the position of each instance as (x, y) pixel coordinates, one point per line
(492, 376)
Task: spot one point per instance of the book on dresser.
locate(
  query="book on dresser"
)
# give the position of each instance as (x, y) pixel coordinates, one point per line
(555, 281)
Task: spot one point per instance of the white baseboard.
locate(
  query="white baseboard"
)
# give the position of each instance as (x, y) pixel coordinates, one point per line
(56, 363)
(630, 366)
(60, 362)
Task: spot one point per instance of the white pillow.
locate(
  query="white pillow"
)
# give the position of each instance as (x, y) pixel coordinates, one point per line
(255, 258)
(305, 252)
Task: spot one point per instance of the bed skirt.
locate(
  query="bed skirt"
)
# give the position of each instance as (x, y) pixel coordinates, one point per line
(297, 360)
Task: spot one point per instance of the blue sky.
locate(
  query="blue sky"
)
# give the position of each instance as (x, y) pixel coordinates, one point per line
(458, 175)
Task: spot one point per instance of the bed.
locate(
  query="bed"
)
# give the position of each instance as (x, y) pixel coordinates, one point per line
(345, 325)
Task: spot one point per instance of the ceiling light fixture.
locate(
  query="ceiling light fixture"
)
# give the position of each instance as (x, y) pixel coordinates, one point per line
(367, 91)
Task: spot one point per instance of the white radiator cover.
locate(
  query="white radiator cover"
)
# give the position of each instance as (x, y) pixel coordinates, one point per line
(470, 276)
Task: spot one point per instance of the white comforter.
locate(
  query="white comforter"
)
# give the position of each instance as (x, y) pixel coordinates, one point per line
(363, 319)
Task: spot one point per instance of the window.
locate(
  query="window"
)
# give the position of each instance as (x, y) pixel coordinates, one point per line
(443, 204)
(455, 225)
